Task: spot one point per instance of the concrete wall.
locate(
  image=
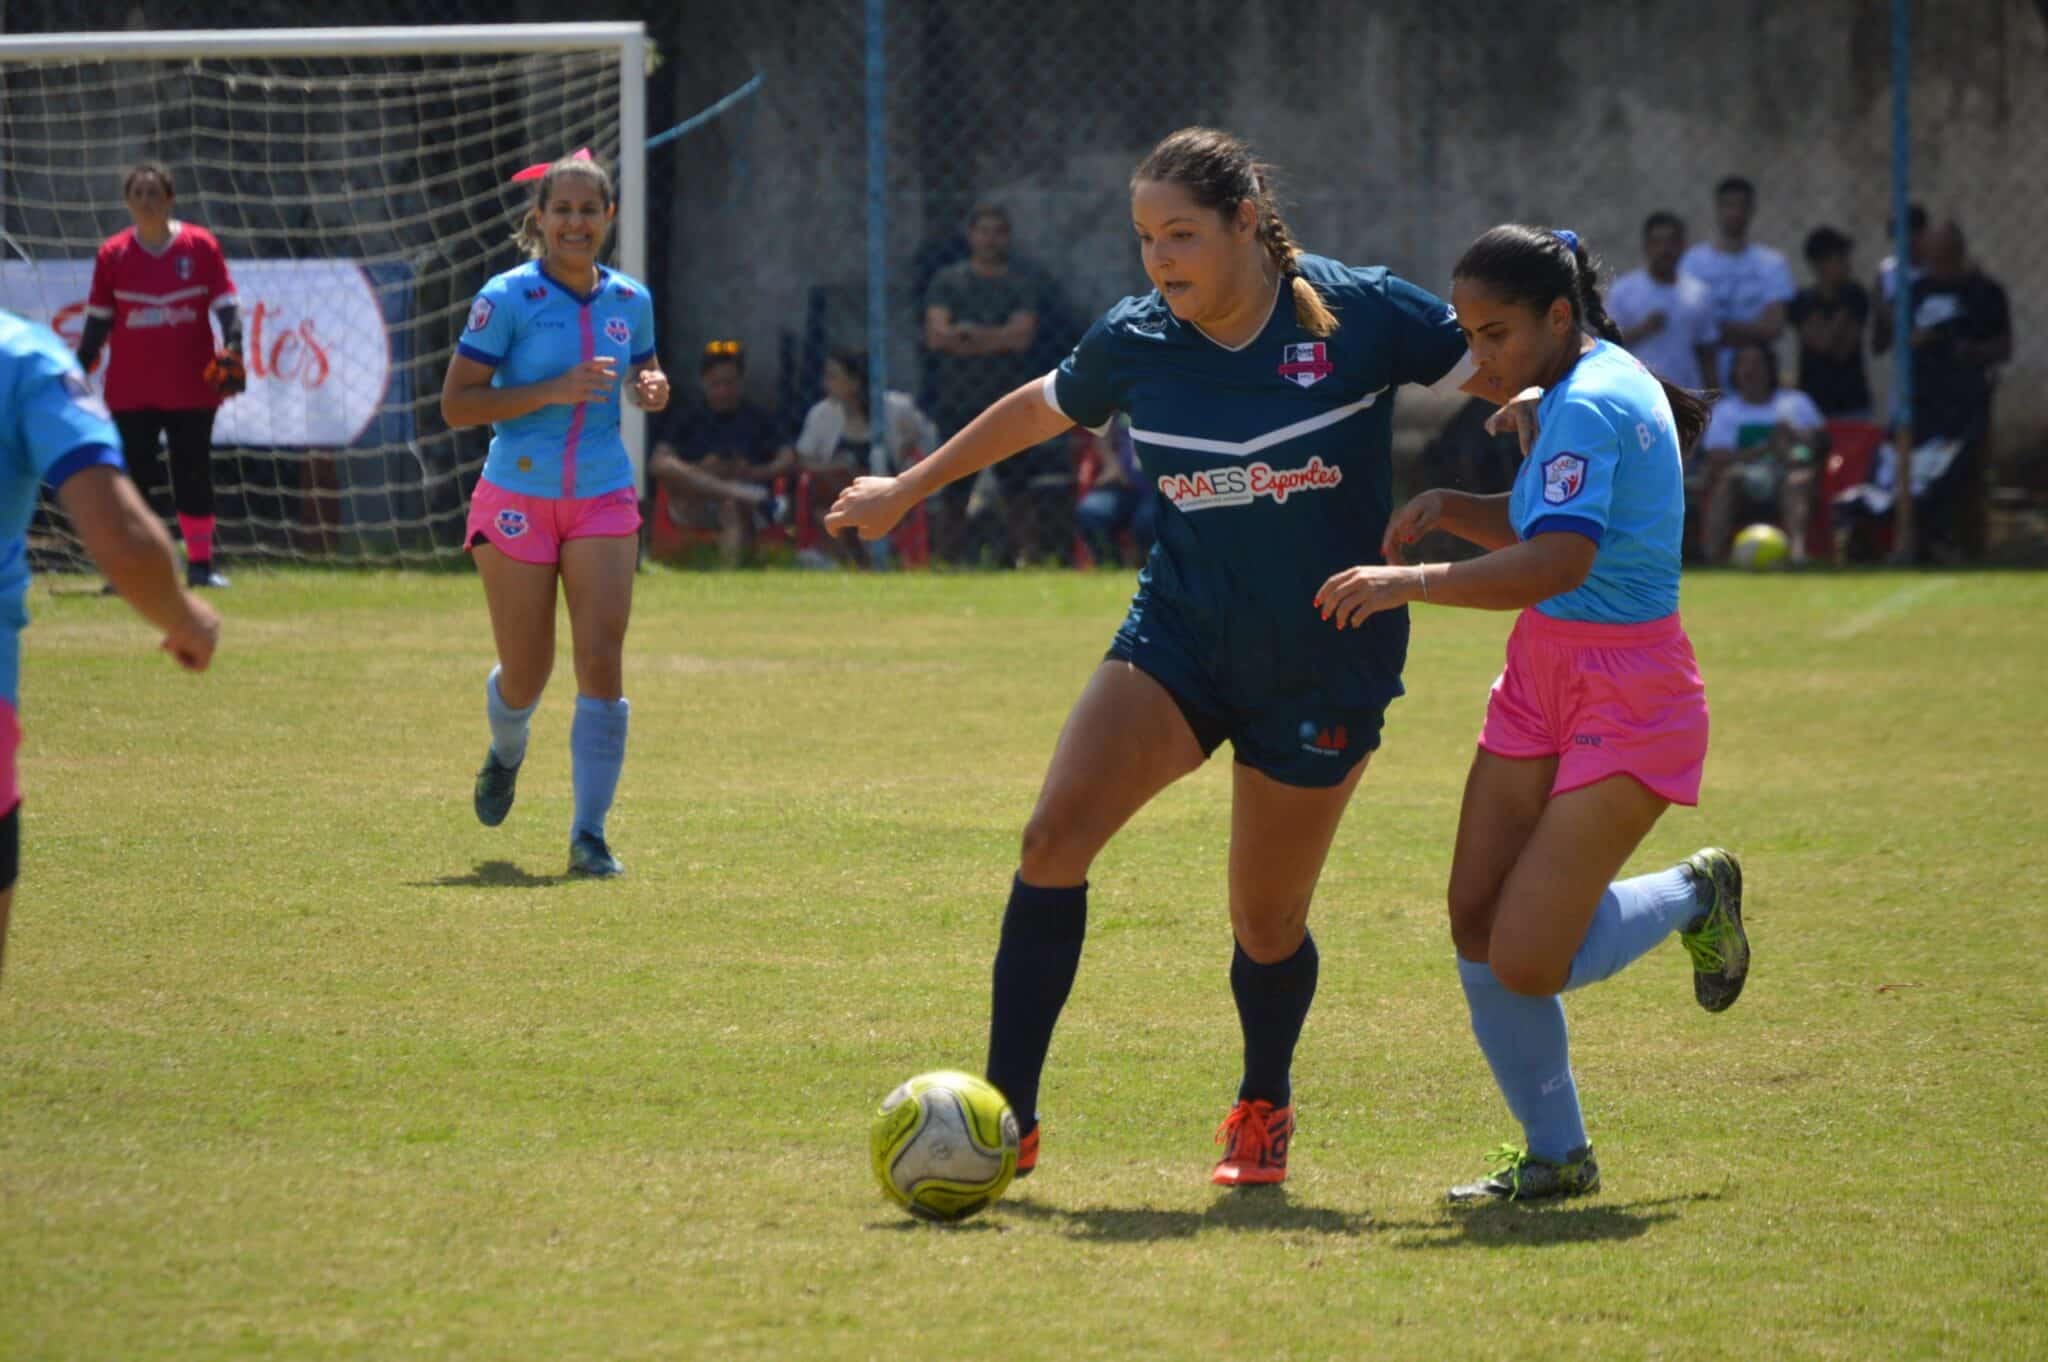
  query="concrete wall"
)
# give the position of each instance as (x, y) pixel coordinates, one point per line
(1404, 127)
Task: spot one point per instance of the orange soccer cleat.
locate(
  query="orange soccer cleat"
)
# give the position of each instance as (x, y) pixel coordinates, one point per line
(1254, 1137)
(1027, 1153)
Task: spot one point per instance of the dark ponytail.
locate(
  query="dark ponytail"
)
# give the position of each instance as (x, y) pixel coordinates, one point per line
(1534, 266)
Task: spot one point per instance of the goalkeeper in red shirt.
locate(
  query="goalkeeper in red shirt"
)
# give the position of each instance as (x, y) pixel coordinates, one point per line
(153, 285)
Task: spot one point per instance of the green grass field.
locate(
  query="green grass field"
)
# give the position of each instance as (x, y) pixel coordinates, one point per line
(298, 1061)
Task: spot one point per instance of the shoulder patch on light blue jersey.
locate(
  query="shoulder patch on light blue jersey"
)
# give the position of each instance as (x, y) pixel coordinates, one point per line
(480, 314)
(1564, 475)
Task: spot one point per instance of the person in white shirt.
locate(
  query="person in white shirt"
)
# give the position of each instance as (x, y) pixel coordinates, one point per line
(1666, 316)
(837, 445)
(1751, 284)
(1758, 455)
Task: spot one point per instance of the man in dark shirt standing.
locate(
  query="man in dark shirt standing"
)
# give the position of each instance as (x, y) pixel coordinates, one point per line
(1962, 330)
(1830, 316)
(980, 320)
(717, 459)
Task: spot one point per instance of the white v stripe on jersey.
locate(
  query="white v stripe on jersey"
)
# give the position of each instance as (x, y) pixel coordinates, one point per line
(160, 299)
(1244, 449)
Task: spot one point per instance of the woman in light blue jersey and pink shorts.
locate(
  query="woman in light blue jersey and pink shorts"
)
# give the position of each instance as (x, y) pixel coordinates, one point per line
(540, 361)
(1598, 723)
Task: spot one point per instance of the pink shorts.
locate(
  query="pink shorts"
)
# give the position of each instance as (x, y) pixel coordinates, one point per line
(10, 747)
(533, 529)
(1604, 699)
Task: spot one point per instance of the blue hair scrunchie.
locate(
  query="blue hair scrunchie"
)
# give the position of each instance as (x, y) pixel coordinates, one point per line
(1568, 237)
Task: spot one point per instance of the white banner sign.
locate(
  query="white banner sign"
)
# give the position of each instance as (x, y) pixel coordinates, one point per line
(313, 337)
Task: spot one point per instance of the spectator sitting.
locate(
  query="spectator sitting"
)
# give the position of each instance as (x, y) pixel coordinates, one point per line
(1118, 500)
(1962, 330)
(1829, 317)
(1888, 275)
(981, 320)
(1666, 316)
(836, 445)
(1758, 455)
(717, 460)
(1749, 284)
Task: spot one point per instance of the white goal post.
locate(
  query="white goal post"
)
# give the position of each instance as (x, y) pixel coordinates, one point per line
(359, 182)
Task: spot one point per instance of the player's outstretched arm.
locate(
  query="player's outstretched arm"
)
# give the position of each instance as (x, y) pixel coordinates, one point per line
(1015, 422)
(127, 544)
(1475, 519)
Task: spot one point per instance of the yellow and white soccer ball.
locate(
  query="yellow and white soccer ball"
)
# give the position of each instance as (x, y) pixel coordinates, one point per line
(1759, 548)
(944, 1145)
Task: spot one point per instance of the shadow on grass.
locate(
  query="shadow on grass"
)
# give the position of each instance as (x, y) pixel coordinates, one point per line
(1249, 1208)
(491, 875)
(1506, 1223)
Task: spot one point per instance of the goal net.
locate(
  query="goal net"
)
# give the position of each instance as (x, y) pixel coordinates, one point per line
(360, 183)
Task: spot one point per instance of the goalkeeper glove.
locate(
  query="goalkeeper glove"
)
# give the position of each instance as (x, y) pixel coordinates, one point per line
(225, 374)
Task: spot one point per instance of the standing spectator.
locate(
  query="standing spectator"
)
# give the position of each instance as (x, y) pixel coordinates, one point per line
(980, 322)
(718, 459)
(1749, 283)
(1962, 330)
(1666, 316)
(1888, 275)
(1829, 317)
(153, 285)
(837, 444)
(1758, 455)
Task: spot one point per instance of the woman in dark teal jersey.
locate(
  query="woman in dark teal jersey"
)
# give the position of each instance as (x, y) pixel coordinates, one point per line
(1598, 723)
(1256, 379)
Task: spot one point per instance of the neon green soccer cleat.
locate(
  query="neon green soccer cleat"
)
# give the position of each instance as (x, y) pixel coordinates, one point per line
(1517, 1176)
(1715, 940)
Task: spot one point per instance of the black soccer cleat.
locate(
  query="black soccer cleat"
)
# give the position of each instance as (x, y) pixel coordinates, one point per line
(588, 855)
(496, 783)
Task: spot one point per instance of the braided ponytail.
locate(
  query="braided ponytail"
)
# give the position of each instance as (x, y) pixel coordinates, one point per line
(1219, 173)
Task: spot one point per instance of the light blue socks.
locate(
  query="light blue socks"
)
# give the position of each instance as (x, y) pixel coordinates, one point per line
(597, 749)
(1525, 1043)
(508, 725)
(1633, 916)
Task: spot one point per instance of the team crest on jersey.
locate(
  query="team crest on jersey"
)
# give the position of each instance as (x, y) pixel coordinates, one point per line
(1563, 476)
(511, 523)
(82, 395)
(480, 314)
(1306, 364)
(184, 268)
(618, 330)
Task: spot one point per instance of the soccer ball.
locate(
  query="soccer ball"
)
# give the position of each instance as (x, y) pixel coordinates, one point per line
(1760, 548)
(944, 1145)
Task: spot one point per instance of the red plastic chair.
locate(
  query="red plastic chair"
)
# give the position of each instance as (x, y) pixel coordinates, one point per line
(1852, 450)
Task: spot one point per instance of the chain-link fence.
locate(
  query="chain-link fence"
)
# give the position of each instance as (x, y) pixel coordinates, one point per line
(1402, 129)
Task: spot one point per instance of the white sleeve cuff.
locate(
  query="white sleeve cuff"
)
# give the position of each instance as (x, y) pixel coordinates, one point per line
(226, 300)
(1050, 387)
(99, 311)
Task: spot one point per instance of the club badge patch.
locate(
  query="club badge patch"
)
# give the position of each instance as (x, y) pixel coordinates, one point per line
(1306, 364)
(618, 330)
(1563, 476)
(511, 523)
(480, 314)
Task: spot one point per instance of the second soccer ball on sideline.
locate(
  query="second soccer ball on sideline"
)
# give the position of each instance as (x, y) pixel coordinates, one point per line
(1760, 548)
(944, 1145)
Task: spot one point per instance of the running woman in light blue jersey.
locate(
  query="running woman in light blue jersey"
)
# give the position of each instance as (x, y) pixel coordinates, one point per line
(55, 433)
(1598, 722)
(1259, 381)
(540, 361)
